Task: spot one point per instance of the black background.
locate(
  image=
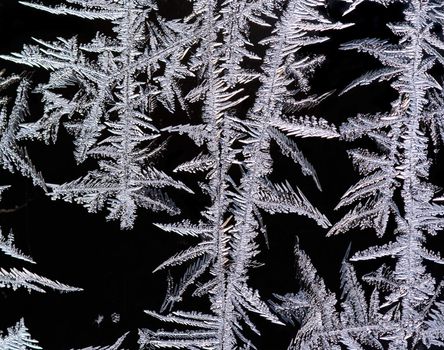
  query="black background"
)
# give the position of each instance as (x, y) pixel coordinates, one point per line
(115, 267)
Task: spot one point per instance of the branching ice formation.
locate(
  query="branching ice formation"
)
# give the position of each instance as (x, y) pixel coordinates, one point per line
(13, 157)
(109, 115)
(326, 323)
(395, 177)
(107, 93)
(231, 224)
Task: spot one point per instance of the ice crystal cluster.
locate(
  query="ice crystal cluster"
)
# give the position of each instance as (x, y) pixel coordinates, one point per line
(235, 78)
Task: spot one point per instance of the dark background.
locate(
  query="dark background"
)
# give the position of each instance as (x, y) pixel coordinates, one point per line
(115, 267)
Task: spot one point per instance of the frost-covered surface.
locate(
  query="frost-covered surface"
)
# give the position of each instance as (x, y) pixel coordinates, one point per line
(18, 337)
(109, 115)
(326, 323)
(15, 158)
(401, 167)
(232, 223)
(235, 77)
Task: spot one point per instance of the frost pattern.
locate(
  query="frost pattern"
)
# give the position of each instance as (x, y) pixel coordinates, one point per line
(118, 81)
(109, 115)
(229, 227)
(116, 346)
(325, 322)
(400, 168)
(18, 338)
(14, 158)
